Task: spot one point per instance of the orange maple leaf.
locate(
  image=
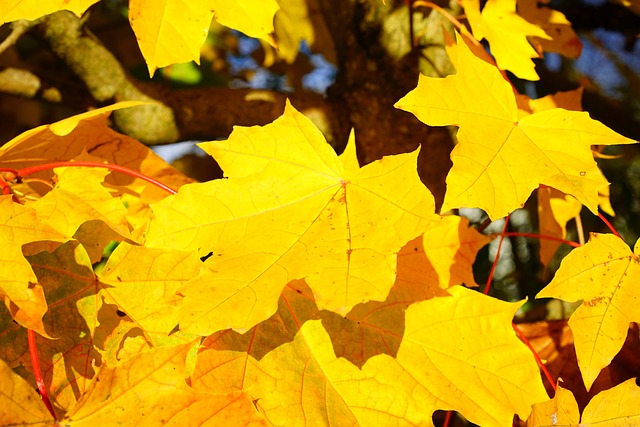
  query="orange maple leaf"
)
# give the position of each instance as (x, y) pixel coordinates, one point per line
(500, 159)
(67, 361)
(88, 132)
(603, 274)
(563, 39)
(20, 291)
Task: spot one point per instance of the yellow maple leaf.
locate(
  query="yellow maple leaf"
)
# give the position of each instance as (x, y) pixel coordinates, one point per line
(506, 32)
(447, 360)
(615, 407)
(499, 158)
(289, 209)
(13, 10)
(603, 274)
(173, 31)
(22, 295)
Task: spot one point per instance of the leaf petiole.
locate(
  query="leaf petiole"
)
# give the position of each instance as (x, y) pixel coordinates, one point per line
(48, 166)
(35, 364)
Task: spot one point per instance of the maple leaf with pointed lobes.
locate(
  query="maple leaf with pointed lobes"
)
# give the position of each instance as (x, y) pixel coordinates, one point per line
(604, 275)
(500, 159)
(459, 352)
(290, 209)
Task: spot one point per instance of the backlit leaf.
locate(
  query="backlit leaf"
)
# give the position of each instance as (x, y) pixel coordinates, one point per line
(603, 274)
(339, 229)
(616, 407)
(555, 210)
(436, 359)
(500, 158)
(79, 196)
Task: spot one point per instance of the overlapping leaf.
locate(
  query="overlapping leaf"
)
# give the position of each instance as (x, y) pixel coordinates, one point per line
(500, 158)
(149, 389)
(562, 410)
(144, 283)
(88, 132)
(603, 274)
(290, 209)
(22, 295)
(67, 361)
(458, 352)
(555, 210)
(451, 248)
(78, 197)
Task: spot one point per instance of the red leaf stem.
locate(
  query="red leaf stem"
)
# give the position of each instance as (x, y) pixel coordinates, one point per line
(608, 224)
(39, 168)
(447, 419)
(35, 364)
(535, 354)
